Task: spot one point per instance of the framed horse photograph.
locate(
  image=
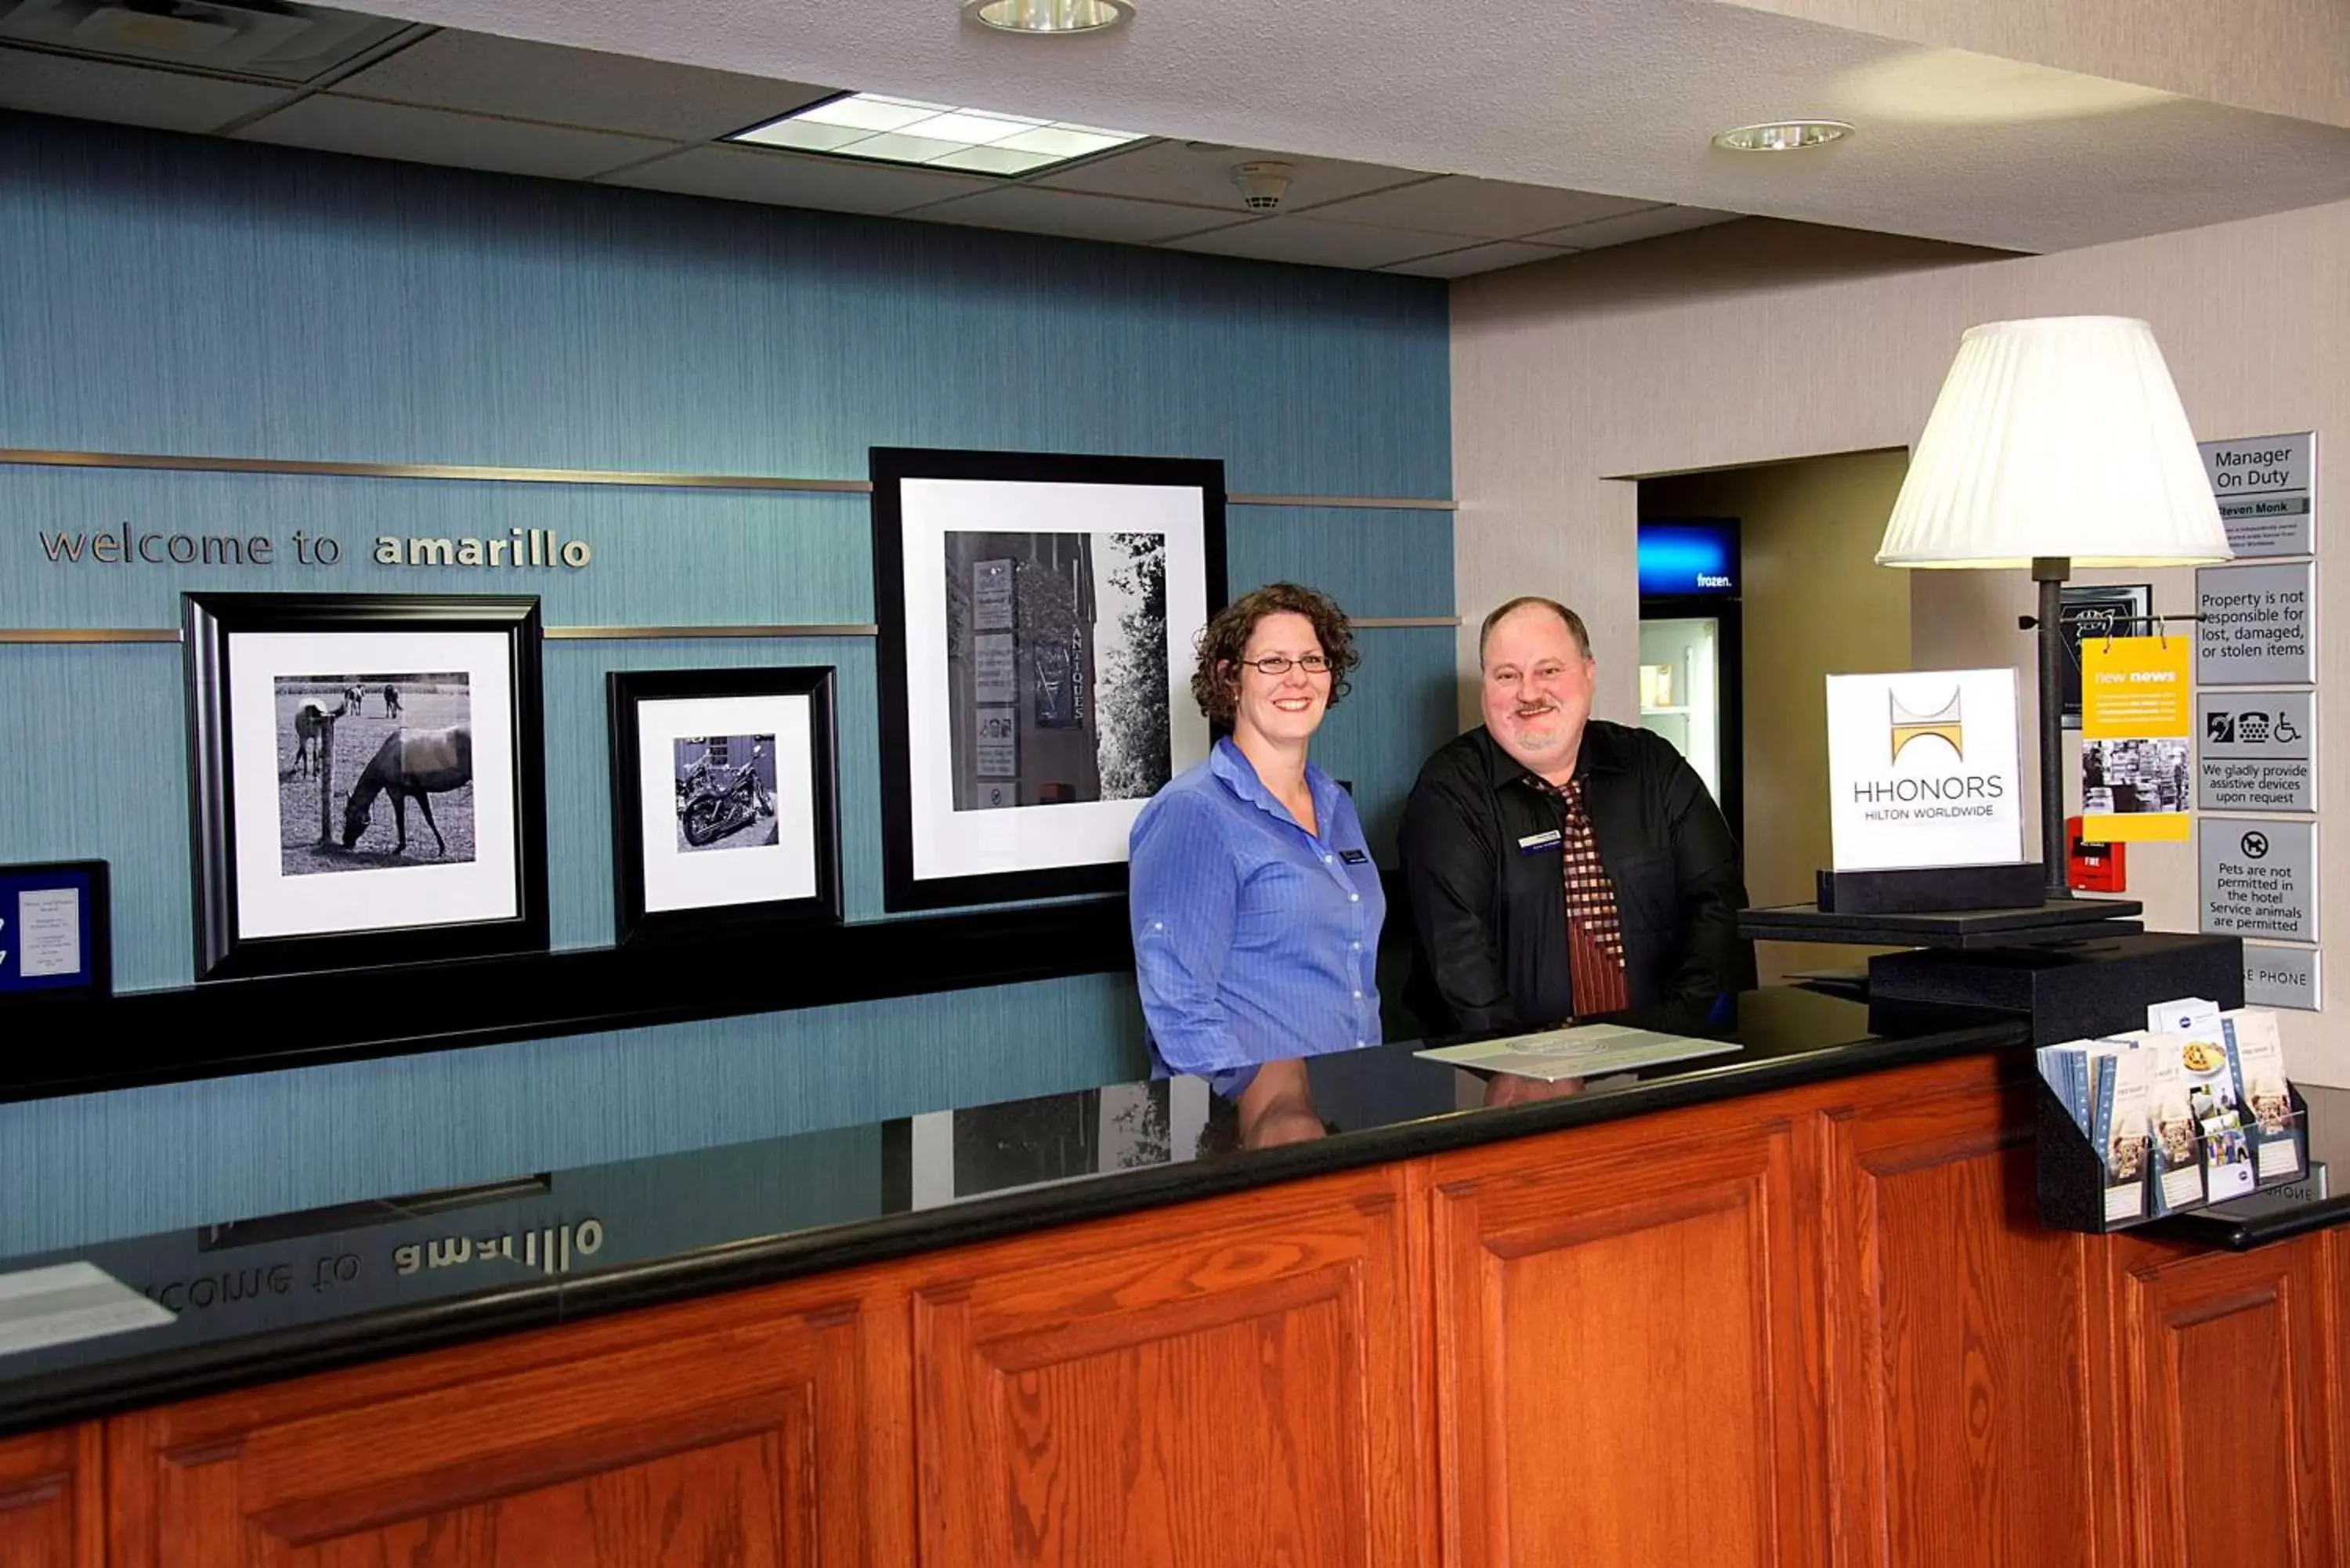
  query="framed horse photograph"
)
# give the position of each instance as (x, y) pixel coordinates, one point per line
(1039, 615)
(725, 810)
(367, 779)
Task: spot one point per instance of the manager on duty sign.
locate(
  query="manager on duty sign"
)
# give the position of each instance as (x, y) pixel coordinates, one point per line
(1923, 770)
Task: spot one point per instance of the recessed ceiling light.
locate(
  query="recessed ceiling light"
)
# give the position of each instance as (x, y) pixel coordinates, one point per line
(1782, 135)
(1047, 18)
(871, 126)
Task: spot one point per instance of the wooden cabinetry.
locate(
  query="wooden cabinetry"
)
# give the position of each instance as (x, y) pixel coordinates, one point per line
(52, 1512)
(1818, 1326)
(752, 1430)
(1967, 1425)
(1627, 1372)
(2224, 1362)
(1221, 1384)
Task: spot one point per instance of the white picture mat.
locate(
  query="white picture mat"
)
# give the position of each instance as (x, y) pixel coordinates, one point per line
(1907, 835)
(64, 1302)
(271, 904)
(932, 1183)
(698, 879)
(948, 843)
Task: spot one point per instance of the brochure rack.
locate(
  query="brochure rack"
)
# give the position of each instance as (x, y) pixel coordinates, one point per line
(2076, 1191)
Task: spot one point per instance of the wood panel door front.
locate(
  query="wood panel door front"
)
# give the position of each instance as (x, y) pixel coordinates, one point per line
(1221, 1383)
(1965, 1428)
(2223, 1409)
(52, 1505)
(1626, 1347)
(731, 1431)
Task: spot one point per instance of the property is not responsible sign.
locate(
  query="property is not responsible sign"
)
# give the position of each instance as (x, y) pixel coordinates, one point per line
(2258, 627)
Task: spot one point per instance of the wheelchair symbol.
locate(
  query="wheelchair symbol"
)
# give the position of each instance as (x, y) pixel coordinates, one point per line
(2285, 732)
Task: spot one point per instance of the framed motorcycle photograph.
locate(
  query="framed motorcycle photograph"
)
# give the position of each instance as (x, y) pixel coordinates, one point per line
(368, 779)
(724, 802)
(1038, 618)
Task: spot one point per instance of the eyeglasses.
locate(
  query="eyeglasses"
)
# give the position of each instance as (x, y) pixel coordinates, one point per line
(1277, 664)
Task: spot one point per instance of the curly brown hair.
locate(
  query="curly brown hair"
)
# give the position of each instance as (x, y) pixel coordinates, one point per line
(1216, 683)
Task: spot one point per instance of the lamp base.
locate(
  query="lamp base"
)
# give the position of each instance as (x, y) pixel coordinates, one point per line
(1930, 891)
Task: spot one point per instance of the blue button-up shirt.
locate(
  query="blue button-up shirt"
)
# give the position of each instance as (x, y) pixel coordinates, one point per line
(1255, 940)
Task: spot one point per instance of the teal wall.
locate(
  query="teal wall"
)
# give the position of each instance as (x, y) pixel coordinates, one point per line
(175, 294)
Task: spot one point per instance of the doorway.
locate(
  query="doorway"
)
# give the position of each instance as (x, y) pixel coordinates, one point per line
(1812, 602)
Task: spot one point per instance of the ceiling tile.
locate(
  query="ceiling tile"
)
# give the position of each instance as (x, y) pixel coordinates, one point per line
(489, 75)
(1631, 226)
(1077, 216)
(1477, 258)
(788, 179)
(1317, 244)
(436, 136)
(1488, 209)
(92, 90)
(1203, 176)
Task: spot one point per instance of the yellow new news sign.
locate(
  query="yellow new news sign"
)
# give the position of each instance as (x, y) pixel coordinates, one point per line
(2136, 724)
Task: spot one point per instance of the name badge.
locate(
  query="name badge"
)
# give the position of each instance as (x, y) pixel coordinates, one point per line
(1354, 856)
(1535, 843)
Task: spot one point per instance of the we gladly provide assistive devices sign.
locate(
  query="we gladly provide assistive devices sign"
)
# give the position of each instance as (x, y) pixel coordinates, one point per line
(1922, 770)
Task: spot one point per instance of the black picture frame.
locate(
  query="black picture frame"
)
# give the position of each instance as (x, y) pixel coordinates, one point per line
(2088, 609)
(626, 693)
(94, 974)
(904, 888)
(211, 624)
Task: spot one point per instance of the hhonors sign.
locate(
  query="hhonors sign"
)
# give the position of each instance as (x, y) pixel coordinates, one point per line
(1922, 770)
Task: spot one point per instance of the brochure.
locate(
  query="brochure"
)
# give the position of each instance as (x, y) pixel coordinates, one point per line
(2195, 1016)
(2066, 1070)
(1582, 1052)
(2256, 1069)
(2119, 1127)
(2228, 1158)
(2177, 1154)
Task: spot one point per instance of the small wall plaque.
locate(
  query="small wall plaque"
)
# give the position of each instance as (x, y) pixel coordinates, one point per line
(55, 931)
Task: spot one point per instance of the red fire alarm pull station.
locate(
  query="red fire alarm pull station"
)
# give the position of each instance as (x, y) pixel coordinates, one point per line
(2093, 867)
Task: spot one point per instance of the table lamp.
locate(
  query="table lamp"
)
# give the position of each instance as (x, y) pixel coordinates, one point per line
(2055, 443)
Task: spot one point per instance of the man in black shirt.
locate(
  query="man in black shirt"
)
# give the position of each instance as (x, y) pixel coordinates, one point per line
(1557, 863)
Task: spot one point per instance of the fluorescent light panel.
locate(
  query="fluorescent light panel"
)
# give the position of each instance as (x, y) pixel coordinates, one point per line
(934, 135)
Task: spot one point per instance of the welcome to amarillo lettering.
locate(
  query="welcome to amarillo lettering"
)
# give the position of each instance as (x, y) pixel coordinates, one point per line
(126, 546)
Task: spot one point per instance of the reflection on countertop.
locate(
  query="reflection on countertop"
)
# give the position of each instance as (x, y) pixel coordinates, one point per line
(268, 1298)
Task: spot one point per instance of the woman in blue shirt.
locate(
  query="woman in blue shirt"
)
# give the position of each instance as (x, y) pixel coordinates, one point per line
(1255, 905)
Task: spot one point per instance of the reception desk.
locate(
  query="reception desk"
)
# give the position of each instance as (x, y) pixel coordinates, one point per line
(1785, 1305)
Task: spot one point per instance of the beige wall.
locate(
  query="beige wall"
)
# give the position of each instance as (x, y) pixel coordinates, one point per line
(1814, 603)
(1753, 343)
(2280, 56)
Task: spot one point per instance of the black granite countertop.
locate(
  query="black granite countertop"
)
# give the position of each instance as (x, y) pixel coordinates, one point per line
(262, 1299)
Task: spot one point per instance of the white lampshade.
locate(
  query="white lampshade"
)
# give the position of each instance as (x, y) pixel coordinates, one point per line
(2062, 437)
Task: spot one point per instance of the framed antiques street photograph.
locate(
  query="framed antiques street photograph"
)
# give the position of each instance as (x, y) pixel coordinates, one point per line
(366, 777)
(723, 799)
(1038, 616)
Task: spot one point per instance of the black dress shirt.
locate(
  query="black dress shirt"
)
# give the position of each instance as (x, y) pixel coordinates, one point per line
(1480, 861)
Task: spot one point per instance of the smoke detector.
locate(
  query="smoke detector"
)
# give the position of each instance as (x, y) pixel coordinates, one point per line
(1262, 184)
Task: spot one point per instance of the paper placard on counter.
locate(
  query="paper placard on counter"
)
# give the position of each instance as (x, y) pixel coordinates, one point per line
(1577, 1053)
(2137, 745)
(66, 1301)
(1923, 770)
